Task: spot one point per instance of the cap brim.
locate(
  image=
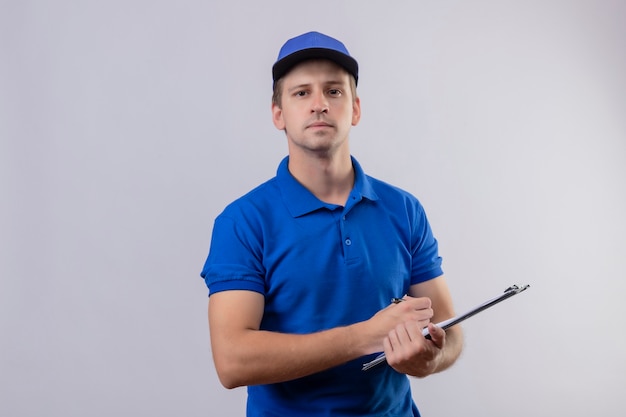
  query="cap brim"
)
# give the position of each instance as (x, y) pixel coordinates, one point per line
(282, 67)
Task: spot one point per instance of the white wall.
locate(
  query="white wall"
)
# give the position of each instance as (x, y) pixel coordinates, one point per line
(126, 126)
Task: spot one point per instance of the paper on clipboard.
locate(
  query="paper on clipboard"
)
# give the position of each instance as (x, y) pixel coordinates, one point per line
(446, 324)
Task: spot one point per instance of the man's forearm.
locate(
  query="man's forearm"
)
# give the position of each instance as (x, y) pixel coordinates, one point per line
(261, 357)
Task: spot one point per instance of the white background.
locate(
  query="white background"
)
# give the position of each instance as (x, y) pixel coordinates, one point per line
(127, 126)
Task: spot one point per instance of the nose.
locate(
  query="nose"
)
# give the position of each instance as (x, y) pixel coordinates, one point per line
(319, 103)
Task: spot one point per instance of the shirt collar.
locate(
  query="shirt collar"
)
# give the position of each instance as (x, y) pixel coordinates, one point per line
(300, 201)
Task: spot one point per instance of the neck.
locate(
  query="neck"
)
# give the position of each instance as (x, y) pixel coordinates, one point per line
(329, 179)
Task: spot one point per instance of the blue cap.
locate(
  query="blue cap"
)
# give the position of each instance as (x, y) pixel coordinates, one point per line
(313, 45)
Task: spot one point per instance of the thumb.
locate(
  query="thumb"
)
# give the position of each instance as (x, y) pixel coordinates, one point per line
(437, 335)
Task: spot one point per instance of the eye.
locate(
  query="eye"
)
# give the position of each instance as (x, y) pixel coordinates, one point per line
(300, 93)
(334, 92)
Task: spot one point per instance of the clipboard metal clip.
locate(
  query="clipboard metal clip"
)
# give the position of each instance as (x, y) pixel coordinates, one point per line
(516, 289)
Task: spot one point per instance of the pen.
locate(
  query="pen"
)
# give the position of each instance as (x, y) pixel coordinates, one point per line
(396, 300)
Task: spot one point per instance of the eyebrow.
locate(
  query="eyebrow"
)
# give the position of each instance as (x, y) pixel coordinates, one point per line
(297, 87)
(326, 83)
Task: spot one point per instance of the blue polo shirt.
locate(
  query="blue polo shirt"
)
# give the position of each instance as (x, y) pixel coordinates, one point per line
(320, 266)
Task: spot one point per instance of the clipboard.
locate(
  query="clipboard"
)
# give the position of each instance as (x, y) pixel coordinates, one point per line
(446, 324)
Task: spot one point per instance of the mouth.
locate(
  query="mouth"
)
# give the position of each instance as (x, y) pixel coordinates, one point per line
(319, 125)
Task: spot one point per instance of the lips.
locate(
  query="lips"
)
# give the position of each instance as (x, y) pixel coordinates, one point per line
(319, 124)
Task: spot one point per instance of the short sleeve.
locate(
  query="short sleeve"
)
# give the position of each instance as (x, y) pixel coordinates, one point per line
(234, 261)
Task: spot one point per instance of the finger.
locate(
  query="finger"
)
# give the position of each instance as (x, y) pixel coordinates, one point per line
(418, 303)
(402, 333)
(416, 312)
(437, 335)
(393, 339)
(415, 329)
(400, 339)
(397, 343)
(391, 348)
(387, 346)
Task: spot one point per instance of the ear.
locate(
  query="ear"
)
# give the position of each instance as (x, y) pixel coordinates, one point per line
(277, 117)
(356, 111)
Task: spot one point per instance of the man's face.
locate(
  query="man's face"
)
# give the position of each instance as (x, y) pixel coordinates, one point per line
(317, 107)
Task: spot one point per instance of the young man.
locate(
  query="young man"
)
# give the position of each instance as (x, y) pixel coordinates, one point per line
(302, 269)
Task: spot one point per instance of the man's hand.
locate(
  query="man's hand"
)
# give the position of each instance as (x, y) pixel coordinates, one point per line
(409, 352)
(413, 310)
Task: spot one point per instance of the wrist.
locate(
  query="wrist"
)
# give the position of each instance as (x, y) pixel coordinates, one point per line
(359, 340)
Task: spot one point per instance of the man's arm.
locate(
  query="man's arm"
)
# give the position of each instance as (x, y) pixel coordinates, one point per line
(409, 352)
(246, 355)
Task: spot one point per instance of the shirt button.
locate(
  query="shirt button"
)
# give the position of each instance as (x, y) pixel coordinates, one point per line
(348, 242)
